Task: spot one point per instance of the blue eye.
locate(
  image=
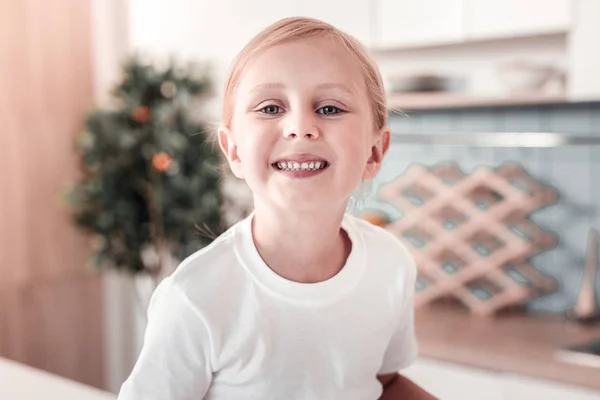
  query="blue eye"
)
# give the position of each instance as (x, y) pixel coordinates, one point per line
(329, 110)
(270, 109)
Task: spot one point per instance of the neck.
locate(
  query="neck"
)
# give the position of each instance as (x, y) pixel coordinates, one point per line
(301, 247)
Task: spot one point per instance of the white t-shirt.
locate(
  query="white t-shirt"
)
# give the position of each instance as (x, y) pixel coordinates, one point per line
(224, 326)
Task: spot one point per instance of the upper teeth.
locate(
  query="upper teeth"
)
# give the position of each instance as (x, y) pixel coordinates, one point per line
(296, 166)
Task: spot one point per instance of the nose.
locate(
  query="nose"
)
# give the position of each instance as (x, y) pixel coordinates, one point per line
(303, 127)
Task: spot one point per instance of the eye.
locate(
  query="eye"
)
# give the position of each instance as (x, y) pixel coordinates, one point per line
(271, 109)
(329, 110)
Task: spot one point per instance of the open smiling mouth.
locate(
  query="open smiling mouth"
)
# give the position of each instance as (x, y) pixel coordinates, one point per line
(300, 166)
(302, 169)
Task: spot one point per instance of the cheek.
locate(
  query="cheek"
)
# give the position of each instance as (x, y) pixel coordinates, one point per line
(359, 149)
(354, 160)
(255, 142)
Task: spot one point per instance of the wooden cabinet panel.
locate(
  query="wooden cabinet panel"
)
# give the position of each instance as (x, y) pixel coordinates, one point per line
(50, 324)
(50, 308)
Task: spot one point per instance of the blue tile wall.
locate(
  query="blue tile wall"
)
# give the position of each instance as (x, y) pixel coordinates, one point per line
(574, 171)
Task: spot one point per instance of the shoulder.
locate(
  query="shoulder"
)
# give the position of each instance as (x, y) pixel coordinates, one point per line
(208, 273)
(391, 267)
(383, 245)
(208, 260)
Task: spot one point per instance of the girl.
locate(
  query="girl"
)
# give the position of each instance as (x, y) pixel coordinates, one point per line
(299, 300)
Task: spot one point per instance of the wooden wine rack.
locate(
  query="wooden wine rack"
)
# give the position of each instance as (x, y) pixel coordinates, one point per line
(471, 235)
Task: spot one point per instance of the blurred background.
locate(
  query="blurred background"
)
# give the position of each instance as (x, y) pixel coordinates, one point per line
(492, 180)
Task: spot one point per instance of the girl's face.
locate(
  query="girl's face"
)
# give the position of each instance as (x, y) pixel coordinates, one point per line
(302, 134)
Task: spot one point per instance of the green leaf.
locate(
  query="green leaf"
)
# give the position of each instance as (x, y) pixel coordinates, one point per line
(119, 186)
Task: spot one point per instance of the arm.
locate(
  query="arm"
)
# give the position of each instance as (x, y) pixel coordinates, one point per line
(174, 363)
(403, 348)
(398, 387)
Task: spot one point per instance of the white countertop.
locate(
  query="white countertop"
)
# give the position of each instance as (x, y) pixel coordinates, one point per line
(448, 381)
(20, 382)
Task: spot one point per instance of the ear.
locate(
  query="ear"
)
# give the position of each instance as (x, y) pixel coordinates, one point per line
(229, 149)
(378, 151)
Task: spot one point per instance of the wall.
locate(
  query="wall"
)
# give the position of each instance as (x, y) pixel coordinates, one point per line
(207, 31)
(50, 304)
(575, 171)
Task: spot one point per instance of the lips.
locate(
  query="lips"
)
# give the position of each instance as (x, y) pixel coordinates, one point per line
(300, 157)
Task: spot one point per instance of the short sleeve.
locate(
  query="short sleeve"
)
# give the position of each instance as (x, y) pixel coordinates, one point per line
(403, 347)
(174, 363)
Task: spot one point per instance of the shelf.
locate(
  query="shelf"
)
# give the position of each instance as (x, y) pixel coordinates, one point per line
(379, 50)
(514, 343)
(433, 101)
(498, 139)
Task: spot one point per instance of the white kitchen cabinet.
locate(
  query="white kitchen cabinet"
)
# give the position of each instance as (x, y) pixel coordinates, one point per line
(583, 54)
(400, 23)
(505, 18)
(22, 382)
(450, 381)
(353, 17)
(519, 387)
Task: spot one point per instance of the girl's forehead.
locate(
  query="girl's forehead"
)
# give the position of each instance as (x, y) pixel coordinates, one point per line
(313, 62)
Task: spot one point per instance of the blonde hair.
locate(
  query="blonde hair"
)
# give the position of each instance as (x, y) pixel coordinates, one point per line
(295, 28)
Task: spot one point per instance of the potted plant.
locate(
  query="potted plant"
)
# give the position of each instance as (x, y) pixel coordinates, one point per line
(148, 193)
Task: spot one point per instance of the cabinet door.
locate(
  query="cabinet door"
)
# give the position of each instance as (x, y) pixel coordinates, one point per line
(505, 18)
(449, 381)
(583, 54)
(520, 387)
(353, 17)
(419, 22)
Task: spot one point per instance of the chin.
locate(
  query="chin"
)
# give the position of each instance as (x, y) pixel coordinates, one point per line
(316, 204)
